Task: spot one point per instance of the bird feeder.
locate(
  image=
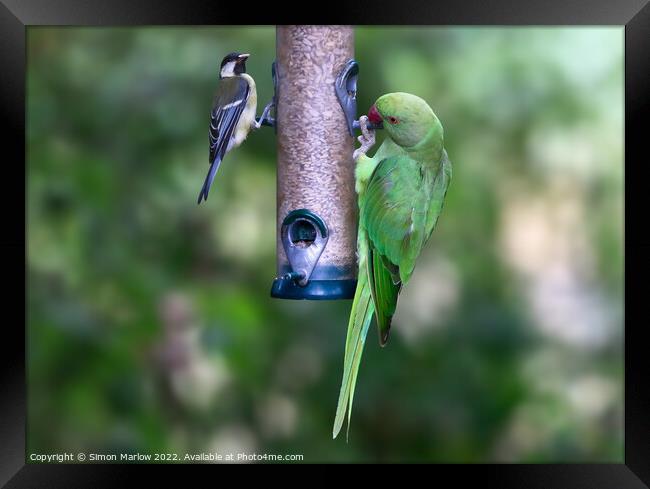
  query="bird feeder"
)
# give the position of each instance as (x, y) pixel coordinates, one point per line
(316, 200)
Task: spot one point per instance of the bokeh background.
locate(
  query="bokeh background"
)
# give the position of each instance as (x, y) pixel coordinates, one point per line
(150, 326)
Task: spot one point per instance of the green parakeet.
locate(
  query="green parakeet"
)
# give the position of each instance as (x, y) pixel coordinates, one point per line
(401, 193)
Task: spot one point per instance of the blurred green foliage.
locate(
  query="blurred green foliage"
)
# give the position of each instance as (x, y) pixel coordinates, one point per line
(150, 326)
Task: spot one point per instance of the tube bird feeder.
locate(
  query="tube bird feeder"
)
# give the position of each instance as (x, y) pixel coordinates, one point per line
(316, 201)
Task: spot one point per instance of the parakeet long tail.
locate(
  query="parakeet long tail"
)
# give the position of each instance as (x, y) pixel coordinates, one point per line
(360, 318)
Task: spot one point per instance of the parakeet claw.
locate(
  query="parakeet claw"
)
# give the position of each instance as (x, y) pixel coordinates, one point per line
(367, 138)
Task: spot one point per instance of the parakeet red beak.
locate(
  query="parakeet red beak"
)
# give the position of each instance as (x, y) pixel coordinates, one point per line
(373, 115)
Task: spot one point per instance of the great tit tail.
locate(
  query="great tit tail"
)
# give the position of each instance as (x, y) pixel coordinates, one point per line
(203, 195)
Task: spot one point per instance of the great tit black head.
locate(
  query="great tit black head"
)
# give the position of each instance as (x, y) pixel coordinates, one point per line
(233, 64)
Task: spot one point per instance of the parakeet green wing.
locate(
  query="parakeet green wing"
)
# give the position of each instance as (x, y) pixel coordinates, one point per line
(393, 211)
(438, 192)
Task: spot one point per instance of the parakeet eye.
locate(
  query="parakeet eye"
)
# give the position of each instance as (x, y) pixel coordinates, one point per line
(393, 120)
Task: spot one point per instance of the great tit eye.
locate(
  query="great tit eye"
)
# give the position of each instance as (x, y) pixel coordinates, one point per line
(393, 120)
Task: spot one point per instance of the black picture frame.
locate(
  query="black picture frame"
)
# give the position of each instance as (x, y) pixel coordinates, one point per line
(16, 15)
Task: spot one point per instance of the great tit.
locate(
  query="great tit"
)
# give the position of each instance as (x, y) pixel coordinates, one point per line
(233, 113)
